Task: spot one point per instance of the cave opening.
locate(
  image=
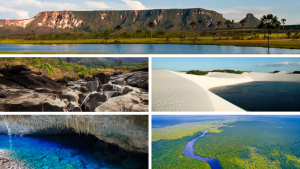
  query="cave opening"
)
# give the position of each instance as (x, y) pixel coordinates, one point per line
(69, 149)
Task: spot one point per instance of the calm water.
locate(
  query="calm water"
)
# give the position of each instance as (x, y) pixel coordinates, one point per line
(144, 48)
(262, 96)
(189, 152)
(74, 151)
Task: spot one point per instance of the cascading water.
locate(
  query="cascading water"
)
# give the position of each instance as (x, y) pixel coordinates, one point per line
(9, 134)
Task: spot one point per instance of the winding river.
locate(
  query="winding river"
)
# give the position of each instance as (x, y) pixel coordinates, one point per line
(189, 152)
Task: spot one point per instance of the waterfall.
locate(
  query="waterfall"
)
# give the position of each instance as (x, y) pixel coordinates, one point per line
(9, 135)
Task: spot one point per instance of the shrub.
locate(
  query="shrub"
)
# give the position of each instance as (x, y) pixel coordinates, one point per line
(297, 72)
(276, 71)
(197, 72)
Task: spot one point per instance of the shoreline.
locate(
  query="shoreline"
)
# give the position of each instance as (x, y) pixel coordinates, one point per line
(7, 162)
(214, 79)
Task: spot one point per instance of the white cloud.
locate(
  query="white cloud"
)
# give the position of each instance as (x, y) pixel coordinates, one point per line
(42, 5)
(134, 5)
(95, 5)
(239, 13)
(280, 64)
(13, 13)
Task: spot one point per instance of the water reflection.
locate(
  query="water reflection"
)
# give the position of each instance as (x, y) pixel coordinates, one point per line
(146, 48)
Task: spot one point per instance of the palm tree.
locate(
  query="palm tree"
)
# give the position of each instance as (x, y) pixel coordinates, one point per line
(268, 21)
(228, 23)
(283, 22)
(277, 25)
(232, 24)
(118, 28)
(151, 26)
(200, 23)
(243, 23)
(219, 24)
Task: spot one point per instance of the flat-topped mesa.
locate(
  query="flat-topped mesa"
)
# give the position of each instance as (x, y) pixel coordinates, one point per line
(52, 19)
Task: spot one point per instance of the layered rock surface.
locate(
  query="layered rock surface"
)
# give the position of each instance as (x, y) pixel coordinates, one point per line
(25, 90)
(129, 132)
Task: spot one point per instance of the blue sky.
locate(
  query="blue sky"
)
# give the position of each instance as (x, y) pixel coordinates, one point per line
(254, 64)
(231, 9)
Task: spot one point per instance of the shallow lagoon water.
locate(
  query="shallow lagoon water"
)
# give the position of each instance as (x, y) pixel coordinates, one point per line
(262, 96)
(146, 48)
(72, 150)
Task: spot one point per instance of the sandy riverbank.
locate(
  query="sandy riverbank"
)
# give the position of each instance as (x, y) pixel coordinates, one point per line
(173, 91)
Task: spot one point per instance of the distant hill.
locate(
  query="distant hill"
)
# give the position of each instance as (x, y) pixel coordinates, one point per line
(101, 61)
(252, 21)
(131, 20)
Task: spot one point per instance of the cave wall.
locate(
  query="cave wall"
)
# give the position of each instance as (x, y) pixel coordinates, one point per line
(127, 131)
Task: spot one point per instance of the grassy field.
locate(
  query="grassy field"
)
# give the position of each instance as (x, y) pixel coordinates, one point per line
(274, 42)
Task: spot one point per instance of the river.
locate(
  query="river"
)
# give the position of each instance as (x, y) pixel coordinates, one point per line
(146, 48)
(189, 152)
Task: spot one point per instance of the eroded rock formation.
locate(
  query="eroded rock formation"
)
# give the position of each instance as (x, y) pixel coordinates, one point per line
(52, 19)
(127, 131)
(25, 90)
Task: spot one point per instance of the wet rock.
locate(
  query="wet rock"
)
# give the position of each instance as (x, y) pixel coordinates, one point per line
(119, 81)
(70, 166)
(92, 86)
(131, 102)
(70, 84)
(127, 89)
(56, 159)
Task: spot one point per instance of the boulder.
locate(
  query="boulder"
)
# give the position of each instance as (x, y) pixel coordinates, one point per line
(103, 78)
(71, 105)
(13, 70)
(131, 102)
(92, 86)
(70, 96)
(32, 82)
(94, 100)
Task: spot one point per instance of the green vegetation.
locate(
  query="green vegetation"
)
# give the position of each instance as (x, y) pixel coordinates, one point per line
(263, 143)
(269, 21)
(181, 130)
(229, 71)
(197, 72)
(56, 68)
(297, 72)
(276, 71)
(169, 154)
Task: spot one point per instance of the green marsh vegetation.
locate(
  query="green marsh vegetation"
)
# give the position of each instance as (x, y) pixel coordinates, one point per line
(296, 72)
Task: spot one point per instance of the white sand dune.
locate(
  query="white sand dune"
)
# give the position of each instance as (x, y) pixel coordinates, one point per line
(173, 91)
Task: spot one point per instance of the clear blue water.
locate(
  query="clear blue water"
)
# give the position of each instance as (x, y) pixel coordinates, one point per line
(145, 48)
(77, 151)
(189, 152)
(262, 96)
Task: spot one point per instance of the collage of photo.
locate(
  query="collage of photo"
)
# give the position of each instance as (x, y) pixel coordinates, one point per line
(137, 84)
